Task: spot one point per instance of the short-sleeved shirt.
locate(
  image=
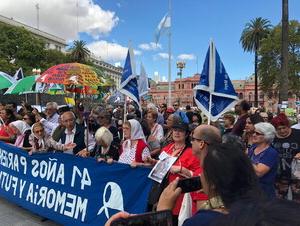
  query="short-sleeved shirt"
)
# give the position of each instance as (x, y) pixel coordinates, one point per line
(287, 149)
(268, 157)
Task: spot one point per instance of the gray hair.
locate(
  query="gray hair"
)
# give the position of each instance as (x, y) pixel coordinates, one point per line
(52, 105)
(267, 129)
(152, 106)
(105, 135)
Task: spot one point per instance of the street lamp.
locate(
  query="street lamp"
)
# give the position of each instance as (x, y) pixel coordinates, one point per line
(180, 65)
(37, 71)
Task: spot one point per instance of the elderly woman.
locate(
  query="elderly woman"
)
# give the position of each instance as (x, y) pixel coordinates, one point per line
(264, 157)
(156, 134)
(186, 163)
(287, 143)
(22, 131)
(134, 150)
(103, 150)
(41, 142)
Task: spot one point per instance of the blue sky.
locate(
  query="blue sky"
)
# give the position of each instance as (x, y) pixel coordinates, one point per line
(108, 26)
(194, 23)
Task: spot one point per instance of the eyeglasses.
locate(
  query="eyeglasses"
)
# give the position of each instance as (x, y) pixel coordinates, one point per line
(258, 133)
(198, 139)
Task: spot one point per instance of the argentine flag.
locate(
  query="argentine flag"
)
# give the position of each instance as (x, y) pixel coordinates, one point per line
(163, 26)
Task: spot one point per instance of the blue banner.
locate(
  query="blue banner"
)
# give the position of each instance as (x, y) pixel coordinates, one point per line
(71, 190)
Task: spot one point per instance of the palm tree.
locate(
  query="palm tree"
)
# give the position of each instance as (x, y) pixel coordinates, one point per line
(79, 52)
(284, 82)
(252, 34)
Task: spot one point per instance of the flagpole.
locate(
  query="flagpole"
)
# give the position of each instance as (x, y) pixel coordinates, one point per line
(209, 108)
(169, 75)
(211, 76)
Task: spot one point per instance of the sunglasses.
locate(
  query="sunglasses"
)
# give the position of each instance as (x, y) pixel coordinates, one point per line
(258, 133)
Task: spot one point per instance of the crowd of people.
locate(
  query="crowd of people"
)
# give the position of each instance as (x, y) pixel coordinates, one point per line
(247, 157)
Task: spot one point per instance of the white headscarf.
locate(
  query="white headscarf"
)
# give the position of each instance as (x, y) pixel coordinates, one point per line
(136, 132)
(40, 141)
(21, 126)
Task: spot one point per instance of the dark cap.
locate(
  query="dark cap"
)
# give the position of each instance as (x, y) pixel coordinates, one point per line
(181, 125)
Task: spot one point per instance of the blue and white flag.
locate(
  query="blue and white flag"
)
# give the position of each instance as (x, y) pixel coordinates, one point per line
(129, 85)
(215, 93)
(163, 26)
(19, 74)
(143, 83)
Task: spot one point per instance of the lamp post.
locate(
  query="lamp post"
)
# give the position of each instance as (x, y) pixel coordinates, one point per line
(180, 65)
(37, 71)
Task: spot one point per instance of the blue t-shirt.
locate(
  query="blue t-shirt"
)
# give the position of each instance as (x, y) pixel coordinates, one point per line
(268, 157)
(202, 218)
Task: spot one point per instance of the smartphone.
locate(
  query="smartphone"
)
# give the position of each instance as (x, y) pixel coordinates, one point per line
(190, 184)
(159, 218)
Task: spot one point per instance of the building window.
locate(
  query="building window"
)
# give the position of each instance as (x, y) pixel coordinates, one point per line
(241, 95)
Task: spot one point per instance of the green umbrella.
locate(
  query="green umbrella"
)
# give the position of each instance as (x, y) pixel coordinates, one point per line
(44, 88)
(6, 80)
(23, 85)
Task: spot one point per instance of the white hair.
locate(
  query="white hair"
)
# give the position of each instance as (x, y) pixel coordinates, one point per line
(152, 106)
(267, 129)
(103, 134)
(52, 105)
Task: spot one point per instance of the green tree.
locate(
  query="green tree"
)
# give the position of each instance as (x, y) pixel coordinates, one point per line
(79, 52)
(19, 48)
(270, 60)
(54, 57)
(251, 37)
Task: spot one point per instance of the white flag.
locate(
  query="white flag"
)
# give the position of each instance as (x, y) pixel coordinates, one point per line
(143, 84)
(162, 27)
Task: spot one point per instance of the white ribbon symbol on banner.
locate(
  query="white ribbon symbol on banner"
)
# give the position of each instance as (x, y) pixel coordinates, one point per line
(115, 200)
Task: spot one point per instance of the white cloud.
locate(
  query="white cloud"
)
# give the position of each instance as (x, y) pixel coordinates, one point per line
(59, 17)
(186, 57)
(118, 64)
(150, 46)
(164, 56)
(111, 52)
(164, 79)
